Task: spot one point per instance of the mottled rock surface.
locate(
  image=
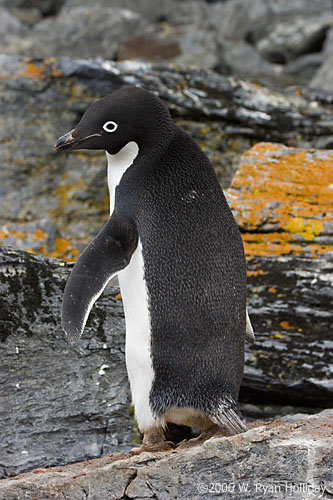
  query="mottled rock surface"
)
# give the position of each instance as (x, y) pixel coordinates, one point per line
(282, 199)
(42, 99)
(59, 403)
(98, 31)
(282, 459)
(290, 305)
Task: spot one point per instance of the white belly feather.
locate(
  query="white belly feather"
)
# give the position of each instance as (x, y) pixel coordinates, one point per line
(135, 300)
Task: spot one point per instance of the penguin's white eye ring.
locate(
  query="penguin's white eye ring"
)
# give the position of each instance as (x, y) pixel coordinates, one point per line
(110, 126)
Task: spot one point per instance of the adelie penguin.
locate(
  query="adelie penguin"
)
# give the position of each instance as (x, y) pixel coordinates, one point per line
(175, 246)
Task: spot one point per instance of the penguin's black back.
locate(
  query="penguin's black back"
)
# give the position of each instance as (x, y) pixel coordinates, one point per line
(195, 275)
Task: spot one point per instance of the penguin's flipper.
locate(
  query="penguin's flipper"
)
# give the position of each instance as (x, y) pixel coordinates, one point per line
(249, 333)
(108, 253)
(226, 415)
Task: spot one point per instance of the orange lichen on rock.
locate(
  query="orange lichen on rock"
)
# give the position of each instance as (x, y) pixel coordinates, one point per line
(35, 70)
(64, 249)
(66, 190)
(39, 235)
(282, 199)
(258, 272)
(287, 326)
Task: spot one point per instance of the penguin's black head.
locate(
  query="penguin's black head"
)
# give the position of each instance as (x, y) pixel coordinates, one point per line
(128, 114)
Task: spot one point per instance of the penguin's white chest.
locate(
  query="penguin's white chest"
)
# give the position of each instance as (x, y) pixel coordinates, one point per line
(135, 300)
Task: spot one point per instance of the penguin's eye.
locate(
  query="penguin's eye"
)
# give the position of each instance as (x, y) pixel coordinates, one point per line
(110, 126)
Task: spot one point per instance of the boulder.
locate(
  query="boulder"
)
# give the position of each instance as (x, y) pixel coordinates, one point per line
(94, 31)
(324, 77)
(290, 306)
(59, 403)
(9, 24)
(152, 11)
(290, 39)
(288, 458)
(282, 200)
(242, 59)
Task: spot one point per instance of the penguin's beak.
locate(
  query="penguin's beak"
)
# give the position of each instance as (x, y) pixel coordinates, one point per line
(67, 142)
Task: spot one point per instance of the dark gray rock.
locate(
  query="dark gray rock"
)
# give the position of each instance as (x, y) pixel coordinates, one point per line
(242, 19)
(43, 7)
(152, 11)
(290, 305)
(241, 59)
(302, 69)
(93, 31)
(323, 79)
(9, 24)
(292, 38)
(37, 236)
(59, 403)
(273, 461)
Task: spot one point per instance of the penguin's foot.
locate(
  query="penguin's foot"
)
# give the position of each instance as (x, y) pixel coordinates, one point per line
(153, 440)
(206, 434)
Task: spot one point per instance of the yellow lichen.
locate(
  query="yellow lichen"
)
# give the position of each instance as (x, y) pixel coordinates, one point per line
(258, 272)
(288, 189)
(39, 235)
(286, 326)
(64, 249)
(308, 229)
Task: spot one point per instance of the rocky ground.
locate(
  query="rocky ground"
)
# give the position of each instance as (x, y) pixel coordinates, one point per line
(251, 81)
(288, 458)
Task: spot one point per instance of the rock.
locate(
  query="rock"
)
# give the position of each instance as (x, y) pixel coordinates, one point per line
(170, 10)
(65, 403)
(42, 99)
(282, 200)
(9, 24)
(197, 47)
(154, 43)
(324, 77)
(242, 19)
(290, 306)
(45, 7)
(241, 59)
(97, 32)
(38, 236)
(293, 38)
(301, 70)
(276, 460)
(252, 20)
(189, 12)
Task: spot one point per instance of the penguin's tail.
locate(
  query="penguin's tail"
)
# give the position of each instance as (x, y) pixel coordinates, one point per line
(226, 415)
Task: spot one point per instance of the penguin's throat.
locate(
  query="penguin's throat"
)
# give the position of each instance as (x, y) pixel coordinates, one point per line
(117, 166)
